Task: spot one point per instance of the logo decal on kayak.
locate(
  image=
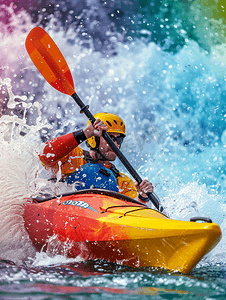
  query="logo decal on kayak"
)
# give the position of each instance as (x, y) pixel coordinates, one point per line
(79, 203)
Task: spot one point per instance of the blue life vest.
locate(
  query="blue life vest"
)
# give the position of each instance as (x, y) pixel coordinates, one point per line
(93, 175)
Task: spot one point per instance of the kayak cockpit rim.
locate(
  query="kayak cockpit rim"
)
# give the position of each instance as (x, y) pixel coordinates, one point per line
(44, 198)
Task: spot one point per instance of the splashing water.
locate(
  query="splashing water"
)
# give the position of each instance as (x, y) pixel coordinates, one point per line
(19, 164)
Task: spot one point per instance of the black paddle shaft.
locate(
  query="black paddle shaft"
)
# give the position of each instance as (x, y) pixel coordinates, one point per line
(85, 109)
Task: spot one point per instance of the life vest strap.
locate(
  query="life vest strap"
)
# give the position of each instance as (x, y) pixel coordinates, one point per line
(88, 159)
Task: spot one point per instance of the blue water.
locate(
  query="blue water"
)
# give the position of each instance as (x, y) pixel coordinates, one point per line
(160, 65)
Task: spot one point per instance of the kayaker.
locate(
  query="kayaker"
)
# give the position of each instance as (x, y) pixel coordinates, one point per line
(93, 168)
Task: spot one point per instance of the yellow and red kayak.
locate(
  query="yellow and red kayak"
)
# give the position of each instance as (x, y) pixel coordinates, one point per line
(100, 224)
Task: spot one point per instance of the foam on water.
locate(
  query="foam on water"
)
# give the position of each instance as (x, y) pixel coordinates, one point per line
(43, 259)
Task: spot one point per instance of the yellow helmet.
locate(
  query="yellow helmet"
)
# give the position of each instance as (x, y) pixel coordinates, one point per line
(114, 123)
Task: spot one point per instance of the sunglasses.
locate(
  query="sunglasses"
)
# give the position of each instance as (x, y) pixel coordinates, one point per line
(117, 139)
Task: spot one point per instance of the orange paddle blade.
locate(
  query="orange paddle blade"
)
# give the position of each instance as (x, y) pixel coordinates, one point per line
(49, 60)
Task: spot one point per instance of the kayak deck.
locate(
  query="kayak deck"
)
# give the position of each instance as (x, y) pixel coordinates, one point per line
(102, 225)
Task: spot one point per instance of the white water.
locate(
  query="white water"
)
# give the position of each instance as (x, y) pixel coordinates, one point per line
(139, 84)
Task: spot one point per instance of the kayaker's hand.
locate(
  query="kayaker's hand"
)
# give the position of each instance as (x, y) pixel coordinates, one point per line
(95, 129)
(144, 187)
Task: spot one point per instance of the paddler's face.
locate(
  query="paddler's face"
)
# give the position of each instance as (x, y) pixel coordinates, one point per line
(106, 150)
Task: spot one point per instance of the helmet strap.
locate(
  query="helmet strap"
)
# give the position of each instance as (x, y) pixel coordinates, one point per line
(102, 157)
(97, 151)
(96, 156)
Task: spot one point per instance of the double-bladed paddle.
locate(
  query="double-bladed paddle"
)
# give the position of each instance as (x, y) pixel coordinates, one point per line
(52, 65)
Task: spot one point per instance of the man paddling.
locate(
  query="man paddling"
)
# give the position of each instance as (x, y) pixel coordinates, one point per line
(93, 168)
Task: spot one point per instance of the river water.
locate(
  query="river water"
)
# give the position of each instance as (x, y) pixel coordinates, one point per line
(160, 65)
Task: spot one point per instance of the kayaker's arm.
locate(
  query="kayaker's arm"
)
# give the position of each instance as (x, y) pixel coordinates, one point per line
(61, 146)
